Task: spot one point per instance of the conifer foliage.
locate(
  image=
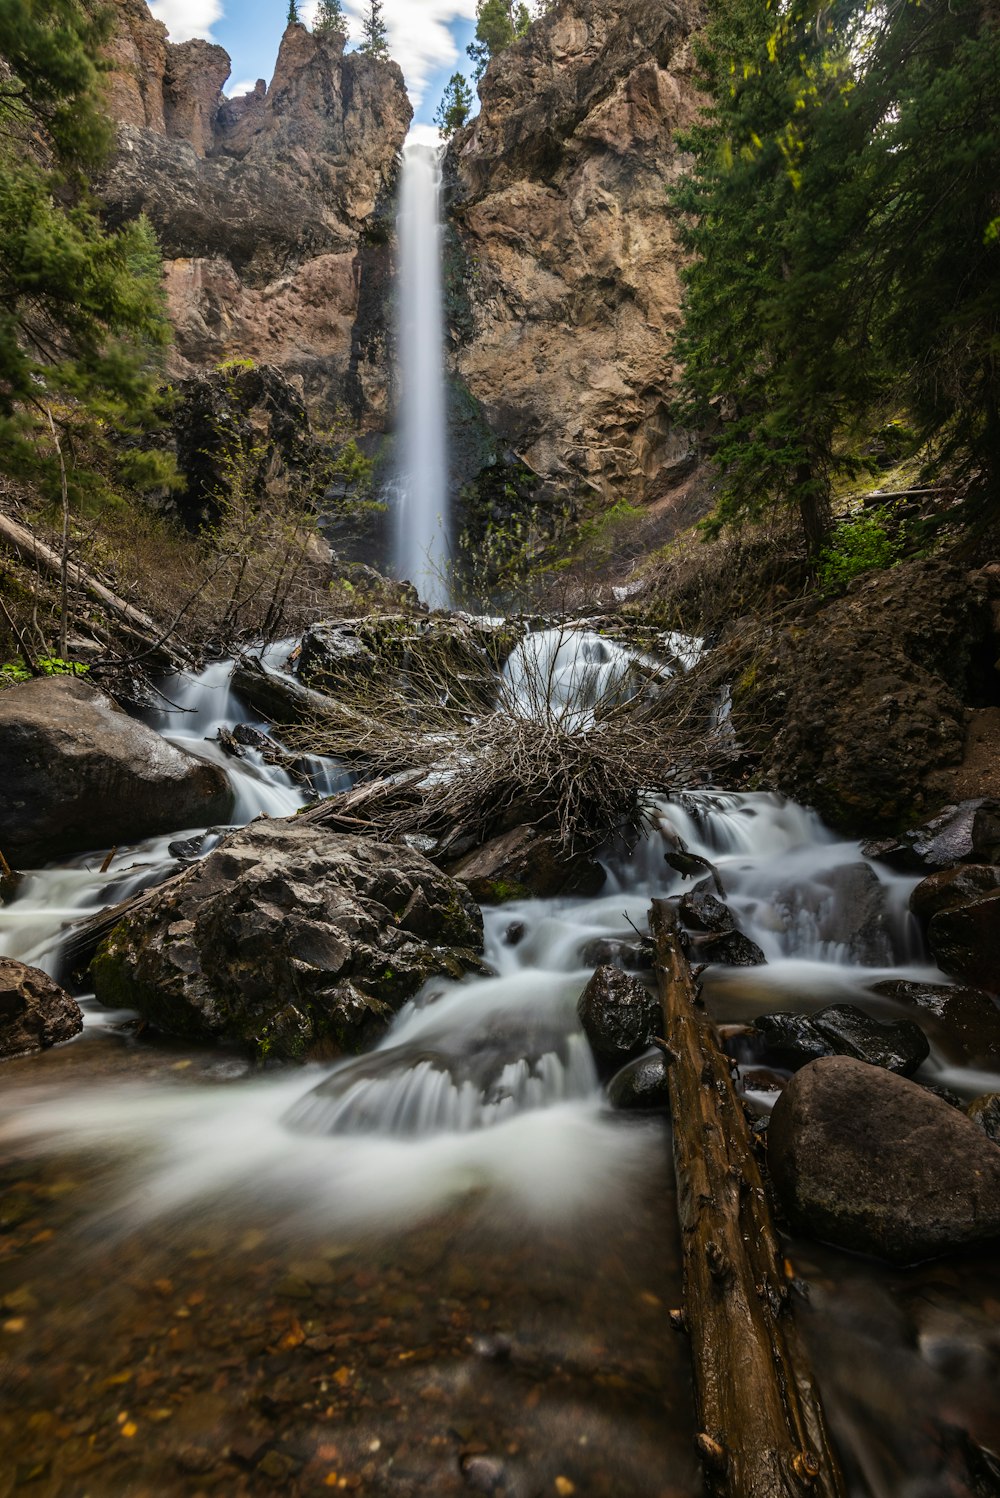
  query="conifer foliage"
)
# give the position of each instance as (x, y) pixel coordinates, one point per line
(330, 19)
(374, 36)
(841, 209)
(456, 102)
(81, 314)
(498, 23)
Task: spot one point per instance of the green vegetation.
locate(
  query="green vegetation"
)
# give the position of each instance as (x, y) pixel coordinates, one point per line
(292, 19)
(860, 543)
(374, 36)
(498, 23)
(13, 672)
(841, 211)
(456, 102)
(330, 19)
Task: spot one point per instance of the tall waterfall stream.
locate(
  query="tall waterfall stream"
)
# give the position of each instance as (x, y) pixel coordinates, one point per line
(446, 1265)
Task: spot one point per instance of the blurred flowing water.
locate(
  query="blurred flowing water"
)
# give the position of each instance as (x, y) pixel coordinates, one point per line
(445, 1265)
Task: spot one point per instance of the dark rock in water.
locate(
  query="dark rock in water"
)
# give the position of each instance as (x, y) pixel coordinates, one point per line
(688, 864)
(290, 938)
(731, 948)
(35, 1013)
(641, 1085)
(869, 1161)
(965, 941)
(514, 934)
(188, 849)
(81, 774)
(848, 908)
(619, 1017)
(522, 863)
(760, 1079)
(949, 838)
(630, 956)
(949, 887)
(985, 1113)
(965, 1021)
(793, 1040)
(702, 910)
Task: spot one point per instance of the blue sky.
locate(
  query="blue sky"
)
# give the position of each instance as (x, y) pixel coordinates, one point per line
(426, 37)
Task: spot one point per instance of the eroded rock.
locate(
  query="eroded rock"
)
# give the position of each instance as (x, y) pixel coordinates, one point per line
(619, 1016)
(523, 863)
(641, 1086)
(950, 887)
(985, 1114)
(869, 1161)
(965, 941)
(843, 1030)
(35, 1012)
(292, 939)
(79, 774)
(965, 1021)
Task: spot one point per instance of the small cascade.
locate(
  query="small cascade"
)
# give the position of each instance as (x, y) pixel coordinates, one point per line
(564, 673)
(422, 543)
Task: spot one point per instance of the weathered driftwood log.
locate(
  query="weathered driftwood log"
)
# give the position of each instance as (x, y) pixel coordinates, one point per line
(131, 621)
(366, 804)
(761, 1430)
(278, 697)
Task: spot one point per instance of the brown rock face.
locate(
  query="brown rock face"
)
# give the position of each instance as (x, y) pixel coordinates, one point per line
(35, 1013)
(559, 202)
(266, 206)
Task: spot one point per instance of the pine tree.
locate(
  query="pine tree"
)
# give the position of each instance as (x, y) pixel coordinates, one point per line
(330, 19)
(292, 19)
(498, 23)
(374, 36)
(453, 111)
(81, 309)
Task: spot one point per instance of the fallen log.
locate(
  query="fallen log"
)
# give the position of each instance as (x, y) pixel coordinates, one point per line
(131, 621)
(278, 697)
(366, 803)
(761, 1428)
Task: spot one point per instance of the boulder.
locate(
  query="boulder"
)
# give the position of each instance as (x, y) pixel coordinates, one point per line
(619, 1016)
(965, 941)
(946, 839)
(79, 774)
(985, 1113)
(35, 1012)
(965, 1022)
(846, 906)
(701, 909)
(291, 939)
(523, 863)
(871, 1162)
(949, 887)
(731, 948)
(641, 1086)
(843, 1030)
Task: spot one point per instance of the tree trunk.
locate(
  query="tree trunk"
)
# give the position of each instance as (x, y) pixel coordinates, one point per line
(761, 1430)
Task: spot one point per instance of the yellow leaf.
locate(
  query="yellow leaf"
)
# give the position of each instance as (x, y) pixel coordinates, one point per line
(130, 1429)
(342, 1376)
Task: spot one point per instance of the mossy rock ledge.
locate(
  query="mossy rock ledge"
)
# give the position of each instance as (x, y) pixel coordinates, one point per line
(291, 939)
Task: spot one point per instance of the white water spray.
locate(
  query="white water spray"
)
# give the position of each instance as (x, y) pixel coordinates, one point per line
(422, 521)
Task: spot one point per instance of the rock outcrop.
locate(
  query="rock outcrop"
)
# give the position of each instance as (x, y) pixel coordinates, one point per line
(35, 1013)
(268, 206)
(563, 286)
(290, 939)
(79, 774)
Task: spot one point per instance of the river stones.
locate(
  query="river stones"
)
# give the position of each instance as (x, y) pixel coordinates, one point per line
(701, 909)
(523, 863)
(869, 1161)
(291, 939)
(965, 1022)
(619, 1016)
(965, 832)
(947, 888)
(78, 773)
(843, 1030)
(965, 941)
(641, 1086)
(35, 1012)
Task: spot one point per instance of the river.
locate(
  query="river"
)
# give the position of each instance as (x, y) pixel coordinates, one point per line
(447, 1266)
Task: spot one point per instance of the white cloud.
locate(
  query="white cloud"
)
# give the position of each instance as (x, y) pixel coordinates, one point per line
(187, 18)
(234, 90)
(419, 36)
(424, 135)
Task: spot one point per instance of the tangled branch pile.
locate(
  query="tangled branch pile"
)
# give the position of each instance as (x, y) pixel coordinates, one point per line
(571, 753)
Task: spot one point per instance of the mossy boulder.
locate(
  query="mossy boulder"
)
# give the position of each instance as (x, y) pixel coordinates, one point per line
(291, 939)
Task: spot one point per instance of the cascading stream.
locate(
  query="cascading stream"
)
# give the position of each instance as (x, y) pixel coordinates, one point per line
(422, 543)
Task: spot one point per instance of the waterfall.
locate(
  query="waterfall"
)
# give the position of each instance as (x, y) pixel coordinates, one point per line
(422, 522)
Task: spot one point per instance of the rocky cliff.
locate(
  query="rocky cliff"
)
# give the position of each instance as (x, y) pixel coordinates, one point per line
(268, 207)
(567, 267)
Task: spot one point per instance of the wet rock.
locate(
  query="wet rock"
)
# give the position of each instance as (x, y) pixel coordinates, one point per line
(731, 948)
(79, 774)
(188, 849)
(950, 887)
(965, 941)
(641, 1085)
(630, 956)
(985, 1113)
(702, 910)
(847, 906)
(843, 1030)
(514, 934)
(869, 1161)
(35, 1013)
(946, 839)
(525, 862)
(483, 1474)
(964, 1021)
(619, 1017)
(290, 938)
